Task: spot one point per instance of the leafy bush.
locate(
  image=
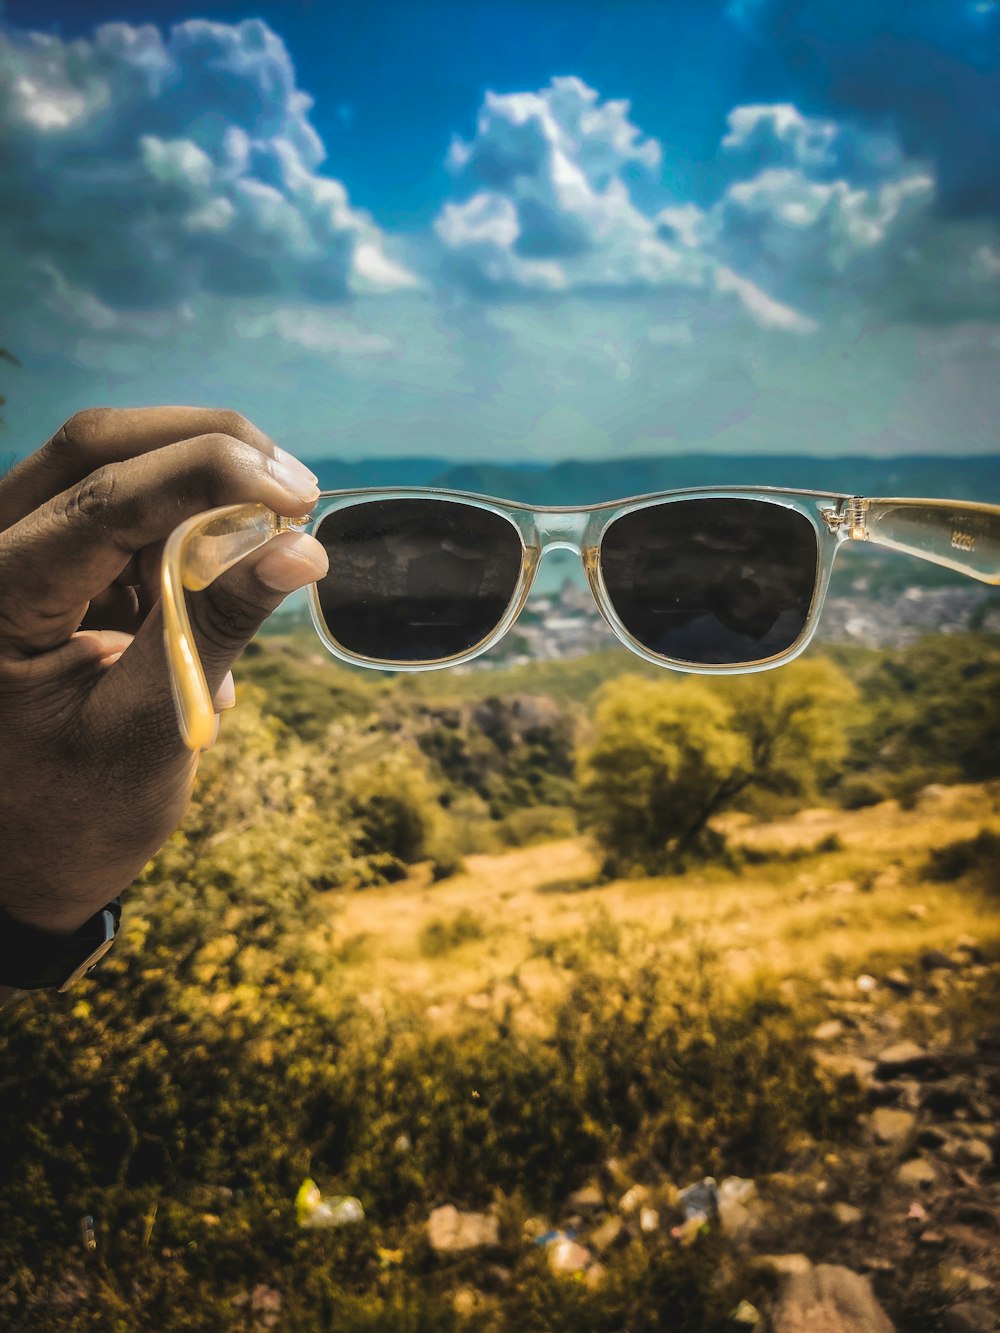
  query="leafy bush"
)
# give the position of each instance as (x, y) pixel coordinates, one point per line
(440, 936)
(977, 858)
(666, 757)
(537, 823)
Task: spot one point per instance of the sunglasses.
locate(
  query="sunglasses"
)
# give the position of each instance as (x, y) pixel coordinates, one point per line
(714, 581)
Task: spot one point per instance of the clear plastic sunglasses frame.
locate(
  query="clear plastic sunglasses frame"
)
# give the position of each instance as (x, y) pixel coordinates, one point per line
(961, 535)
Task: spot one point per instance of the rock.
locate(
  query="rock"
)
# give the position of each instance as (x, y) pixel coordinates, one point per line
(451, 1232)
(633, 1199)
(890, 1125)
(737, 1189)
(607, 1234)
(964, 1280)
(586, 1200)
(566, 1256)
(828, 1031)
(936, 960)
(932, 1239)
(464, 1301)
(265, 1303)
(916, 911)
(735, 1218)
(829, 1299)
(906, 1057)
(844, 887)
(931, 1137)
(782, 1265)
(845, 1067)
(976, 1151)
(847, 1215)
(897, 980)
(917, 1173)
(746, 1315)
(866, 983)
(649, 1220)
(594, 1275)
(969, 1317)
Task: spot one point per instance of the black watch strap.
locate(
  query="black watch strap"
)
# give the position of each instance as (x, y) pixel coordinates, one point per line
(34, 959)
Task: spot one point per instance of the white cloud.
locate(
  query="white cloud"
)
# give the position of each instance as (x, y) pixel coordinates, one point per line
(198, 147)
(763, 309)
(552, 208)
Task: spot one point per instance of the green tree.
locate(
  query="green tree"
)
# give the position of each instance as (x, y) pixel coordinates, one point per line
(665, 758)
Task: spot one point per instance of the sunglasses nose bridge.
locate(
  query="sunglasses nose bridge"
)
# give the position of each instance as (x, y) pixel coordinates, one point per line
(561, 531)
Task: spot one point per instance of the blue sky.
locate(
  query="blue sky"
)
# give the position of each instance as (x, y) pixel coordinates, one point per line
(508, 231)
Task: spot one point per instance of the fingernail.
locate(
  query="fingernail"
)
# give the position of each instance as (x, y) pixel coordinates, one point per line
(292, 562)
(294, 476)
(225, 695)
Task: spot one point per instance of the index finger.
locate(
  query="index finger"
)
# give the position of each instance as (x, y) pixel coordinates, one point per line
(102, 435)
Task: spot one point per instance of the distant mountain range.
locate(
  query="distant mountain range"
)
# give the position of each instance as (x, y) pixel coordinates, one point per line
(573, 483)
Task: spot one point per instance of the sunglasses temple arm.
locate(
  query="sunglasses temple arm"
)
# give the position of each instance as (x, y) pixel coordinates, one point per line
(196, 554)
(959, 535)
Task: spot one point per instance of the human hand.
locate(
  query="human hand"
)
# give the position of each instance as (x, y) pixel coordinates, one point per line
(93, 771)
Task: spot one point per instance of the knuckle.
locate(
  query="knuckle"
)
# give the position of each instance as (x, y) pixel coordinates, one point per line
(82, 432)
(223, 460)
(229, 422)
(89, 500)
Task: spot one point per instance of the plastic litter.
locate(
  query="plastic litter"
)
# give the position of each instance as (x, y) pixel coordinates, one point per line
(315, 1212)
(703, 1198)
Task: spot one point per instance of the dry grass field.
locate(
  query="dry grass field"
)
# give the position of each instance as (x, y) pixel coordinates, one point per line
(824, 895)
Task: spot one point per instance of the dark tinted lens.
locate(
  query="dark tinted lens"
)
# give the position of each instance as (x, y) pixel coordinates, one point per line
(416, 580)
(712, 581)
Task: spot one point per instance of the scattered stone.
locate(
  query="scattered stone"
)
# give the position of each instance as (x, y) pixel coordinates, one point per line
(828, 1031)
(970, 1317)
(566, 1256)
(931, 1137)
(633, 1199)
(451, 1232)
(866, 983)
(464, 1301)
(906, 1057)
(970, 947)
(594, 1275)
(607, 1234)
(735, 1218)
(917, 1213)
(843, 1066)
(976, 1151)
(964, 1280)
(874, 1263)
(932, 1239)
(897, 980)
(829, 1299)
(935, 960)
(891, 1125)
(782, 1265)
(846, 1214)
(586, 1200)
(917, 911)
(844, 887)
(746, 1315)
(918, 1172)
(649, 1220)
(263, 1301)
(737, 1189)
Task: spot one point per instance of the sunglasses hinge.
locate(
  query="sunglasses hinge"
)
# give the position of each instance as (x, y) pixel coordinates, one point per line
(849, 517)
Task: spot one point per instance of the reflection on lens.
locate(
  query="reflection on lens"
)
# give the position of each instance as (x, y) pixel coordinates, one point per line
(716, 582)
(415, 580)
